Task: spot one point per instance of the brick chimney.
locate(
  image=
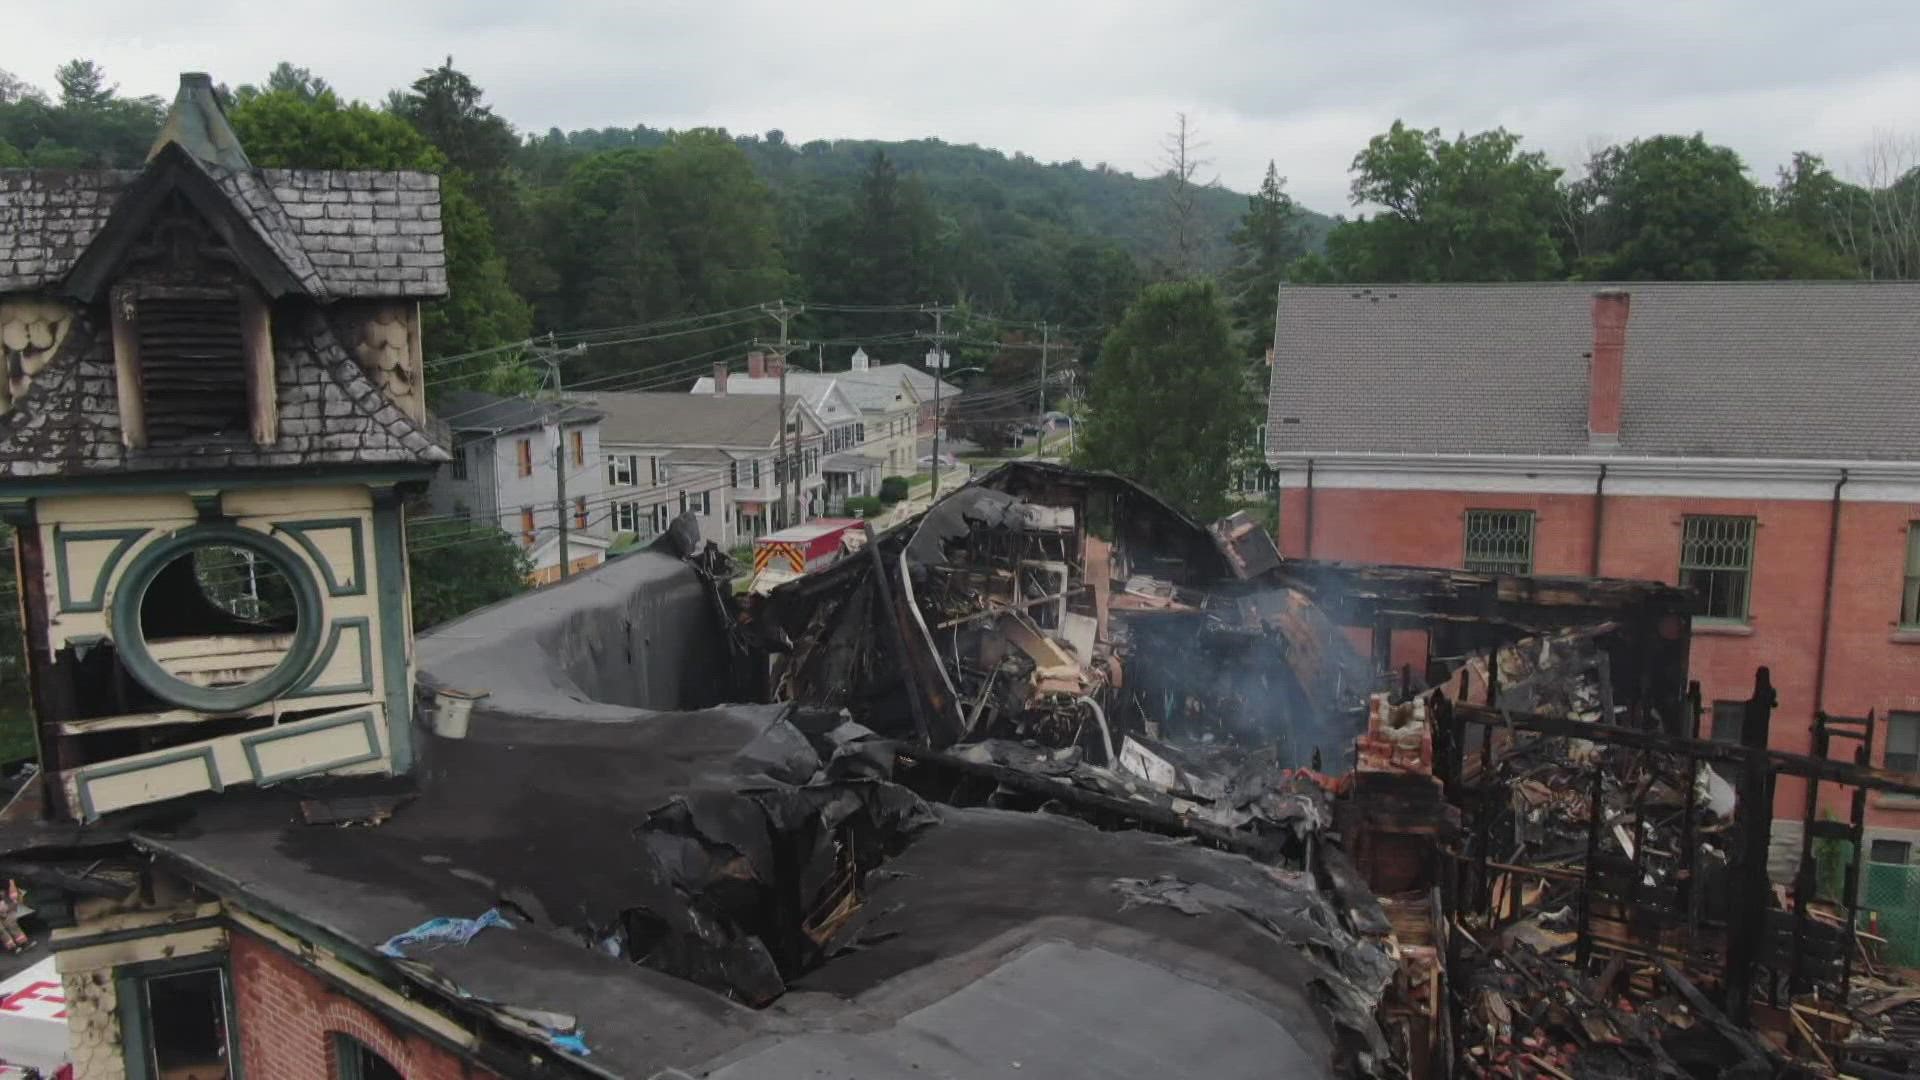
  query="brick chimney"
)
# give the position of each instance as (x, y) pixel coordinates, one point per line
(775, 365)
(756, 365)
(1606, 370)
(719, 378)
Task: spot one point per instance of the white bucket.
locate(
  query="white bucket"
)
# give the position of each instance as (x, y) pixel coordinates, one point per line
(451, 712)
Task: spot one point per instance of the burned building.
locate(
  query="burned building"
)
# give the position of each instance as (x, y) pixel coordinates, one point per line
(212, 407)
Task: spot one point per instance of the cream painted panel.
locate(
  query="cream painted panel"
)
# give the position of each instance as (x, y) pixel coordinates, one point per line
(172, 775)
(166, 780)
(312, 751)
(158, 511)
(345, 667)
(295, 502)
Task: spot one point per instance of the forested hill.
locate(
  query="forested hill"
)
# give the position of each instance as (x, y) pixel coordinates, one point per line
(968, 183)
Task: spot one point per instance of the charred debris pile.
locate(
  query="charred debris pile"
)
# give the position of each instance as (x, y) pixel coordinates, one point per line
(1521, 819)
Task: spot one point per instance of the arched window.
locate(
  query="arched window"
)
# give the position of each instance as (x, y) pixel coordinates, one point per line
(355, 1060)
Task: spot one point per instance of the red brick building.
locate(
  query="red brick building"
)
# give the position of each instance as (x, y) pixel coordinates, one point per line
(1753, 441)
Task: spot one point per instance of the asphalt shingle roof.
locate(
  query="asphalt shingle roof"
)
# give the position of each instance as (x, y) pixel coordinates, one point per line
(1802, 370)
(687, 420)
(474, 411)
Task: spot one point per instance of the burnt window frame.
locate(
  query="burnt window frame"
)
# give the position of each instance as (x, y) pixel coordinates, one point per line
(132, 1003)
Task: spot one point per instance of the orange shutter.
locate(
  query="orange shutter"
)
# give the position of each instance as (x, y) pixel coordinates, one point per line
(526, 458)
(526, 521)
(579, 448)
(580, 512)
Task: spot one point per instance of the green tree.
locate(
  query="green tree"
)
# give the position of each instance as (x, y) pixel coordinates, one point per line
(83, 85)
(284, 130)
(90, 127)
(1270, 239)
(884, 246)
(643, 235)
(298, 82)
(1170, 406)
(454, 568)
(450, 110)
(1669, 208)
(1474, 208)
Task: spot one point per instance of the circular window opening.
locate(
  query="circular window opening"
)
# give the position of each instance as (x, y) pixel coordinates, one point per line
(219, 615)
(222, 618)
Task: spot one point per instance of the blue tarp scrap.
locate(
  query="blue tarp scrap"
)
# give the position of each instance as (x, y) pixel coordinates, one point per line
(435, 933)
(573, 1043)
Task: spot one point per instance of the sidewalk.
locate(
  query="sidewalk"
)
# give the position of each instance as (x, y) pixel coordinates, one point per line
(920, 497)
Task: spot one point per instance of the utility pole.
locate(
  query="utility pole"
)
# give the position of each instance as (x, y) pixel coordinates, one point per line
(560, 451)
(939, 373)
(783, 315)
(1040, 425)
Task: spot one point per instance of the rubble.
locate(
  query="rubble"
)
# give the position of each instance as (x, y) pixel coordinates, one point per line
(1556, 873)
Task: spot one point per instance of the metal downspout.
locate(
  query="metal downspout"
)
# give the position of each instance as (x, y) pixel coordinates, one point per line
(1826, 598)
(1599, 520)
(1308, 553)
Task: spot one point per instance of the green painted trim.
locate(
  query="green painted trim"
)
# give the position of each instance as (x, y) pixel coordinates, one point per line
(83, 780)
(299, 530)
(251, 744)
(390, 567)
(130, 1000)
(306, 688)
(139, 662)
(176, 482)
(96, 600)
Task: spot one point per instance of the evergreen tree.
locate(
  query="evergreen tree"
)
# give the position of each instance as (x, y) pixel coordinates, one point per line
(1170, 406)
(1269, 239)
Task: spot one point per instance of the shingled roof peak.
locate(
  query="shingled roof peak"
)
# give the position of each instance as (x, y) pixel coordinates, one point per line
(198, 125)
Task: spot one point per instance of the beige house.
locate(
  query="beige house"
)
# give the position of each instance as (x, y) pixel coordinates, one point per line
(724, 451)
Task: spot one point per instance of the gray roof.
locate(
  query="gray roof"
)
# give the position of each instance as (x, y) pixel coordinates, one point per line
(867, 395)
(1802, 370)
(889, 373)
(344, 234)
(750, 422)
(848, 462)
(474, 411)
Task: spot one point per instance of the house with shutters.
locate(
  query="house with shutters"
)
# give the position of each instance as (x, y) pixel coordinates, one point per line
(849, 468)
(719, 456)
(1750, 441)
(508, 458)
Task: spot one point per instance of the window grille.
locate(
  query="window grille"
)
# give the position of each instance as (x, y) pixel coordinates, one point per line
(1716, 561)
(1500, 541)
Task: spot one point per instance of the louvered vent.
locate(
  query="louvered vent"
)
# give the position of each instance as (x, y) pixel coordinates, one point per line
(193, 369)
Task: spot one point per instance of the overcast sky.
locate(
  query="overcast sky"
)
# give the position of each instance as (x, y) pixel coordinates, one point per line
(1302, 84)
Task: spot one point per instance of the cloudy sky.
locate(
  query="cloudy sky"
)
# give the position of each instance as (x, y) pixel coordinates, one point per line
(1302, 84)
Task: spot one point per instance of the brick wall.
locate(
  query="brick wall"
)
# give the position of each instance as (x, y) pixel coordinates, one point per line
(1869, 665)
(287, 1018)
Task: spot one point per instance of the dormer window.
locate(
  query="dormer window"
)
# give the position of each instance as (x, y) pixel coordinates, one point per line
(195, 365)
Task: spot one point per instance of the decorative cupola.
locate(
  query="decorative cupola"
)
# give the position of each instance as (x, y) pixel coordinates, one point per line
(212, 407)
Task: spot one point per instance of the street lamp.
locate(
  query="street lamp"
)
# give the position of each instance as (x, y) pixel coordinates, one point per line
(939, 377)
